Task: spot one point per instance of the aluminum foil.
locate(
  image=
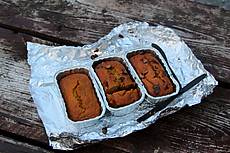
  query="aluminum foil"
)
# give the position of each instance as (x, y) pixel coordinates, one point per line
(46, 61)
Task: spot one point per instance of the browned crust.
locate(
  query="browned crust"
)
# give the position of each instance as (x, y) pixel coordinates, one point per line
(79, 95)
(152, 73)
(120, 88)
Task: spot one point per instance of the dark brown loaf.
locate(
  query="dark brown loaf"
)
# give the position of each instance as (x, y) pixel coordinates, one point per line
(152, 73)
(123, 97)
(120, 88)
(80, 97)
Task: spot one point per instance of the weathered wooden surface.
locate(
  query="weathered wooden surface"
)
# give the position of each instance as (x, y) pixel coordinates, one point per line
(17, 111)
(202, 128)
(204, 28)
(209, 121)
(225, 4)
(9, 145)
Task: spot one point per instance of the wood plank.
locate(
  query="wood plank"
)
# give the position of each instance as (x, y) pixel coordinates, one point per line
(98, 148)
(203, 128)
(204, 28)
(9, 145)
(17, 110)
(220, 3)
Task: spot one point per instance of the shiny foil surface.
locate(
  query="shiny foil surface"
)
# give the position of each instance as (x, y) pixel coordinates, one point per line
(47, 61)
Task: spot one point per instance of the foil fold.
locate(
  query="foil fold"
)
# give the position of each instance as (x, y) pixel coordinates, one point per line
(46, 61)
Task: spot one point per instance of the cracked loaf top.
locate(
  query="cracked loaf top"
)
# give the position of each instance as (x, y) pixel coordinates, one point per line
(151, 72)
(119, 86)
(79, 95)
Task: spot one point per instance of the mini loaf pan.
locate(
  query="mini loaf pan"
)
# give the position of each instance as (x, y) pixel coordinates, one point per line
(122, 110)
(168, 72)
(83, 70)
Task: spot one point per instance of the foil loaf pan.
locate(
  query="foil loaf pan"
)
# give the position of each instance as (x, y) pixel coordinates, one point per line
(88, 122)
(167, 69)
(47, 62)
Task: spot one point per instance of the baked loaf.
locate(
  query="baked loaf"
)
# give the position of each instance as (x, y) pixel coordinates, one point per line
(119, 87)
(79, 95)
(151, 72)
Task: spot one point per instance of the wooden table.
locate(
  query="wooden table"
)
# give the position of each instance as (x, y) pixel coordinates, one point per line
(205, 28)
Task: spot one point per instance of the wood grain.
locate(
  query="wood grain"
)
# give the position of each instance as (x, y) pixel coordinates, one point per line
(17, 110)
(9, 145)
(201, 128)
(204, 28)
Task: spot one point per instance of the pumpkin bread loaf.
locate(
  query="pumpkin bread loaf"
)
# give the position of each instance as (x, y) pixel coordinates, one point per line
(152, 73)
(80, 97)
(119, 86)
